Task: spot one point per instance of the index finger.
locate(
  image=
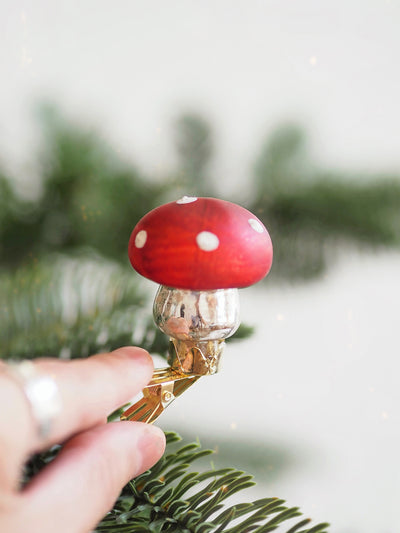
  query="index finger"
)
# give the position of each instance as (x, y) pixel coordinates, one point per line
(90, 389)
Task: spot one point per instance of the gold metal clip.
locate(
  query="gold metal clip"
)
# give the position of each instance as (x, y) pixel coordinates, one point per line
(166, 385)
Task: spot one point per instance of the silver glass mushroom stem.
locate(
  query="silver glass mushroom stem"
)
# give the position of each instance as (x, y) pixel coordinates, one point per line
(197, 322)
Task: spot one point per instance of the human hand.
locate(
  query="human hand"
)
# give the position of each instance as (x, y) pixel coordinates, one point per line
(80, 485)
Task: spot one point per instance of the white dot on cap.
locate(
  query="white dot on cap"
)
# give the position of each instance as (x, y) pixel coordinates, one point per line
(141, 238)
(207, 241)
(186, 200)
(256, 225)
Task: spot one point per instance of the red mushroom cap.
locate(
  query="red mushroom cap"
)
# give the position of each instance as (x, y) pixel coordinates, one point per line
(201, 244)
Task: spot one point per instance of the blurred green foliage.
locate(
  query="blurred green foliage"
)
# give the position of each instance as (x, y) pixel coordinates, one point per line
(77, 228)
(310, 212)
(73, 306)
(91, 198)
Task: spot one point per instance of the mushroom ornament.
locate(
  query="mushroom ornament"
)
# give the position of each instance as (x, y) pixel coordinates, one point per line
(200, 251)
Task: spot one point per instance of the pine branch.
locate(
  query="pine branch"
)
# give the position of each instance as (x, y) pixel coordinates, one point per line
(163, 499)
(87, 189)
(72, 307)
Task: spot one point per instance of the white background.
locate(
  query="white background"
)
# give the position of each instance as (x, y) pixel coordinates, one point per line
(131, 65)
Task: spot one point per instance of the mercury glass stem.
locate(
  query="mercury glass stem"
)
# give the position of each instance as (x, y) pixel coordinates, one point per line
(197, 322)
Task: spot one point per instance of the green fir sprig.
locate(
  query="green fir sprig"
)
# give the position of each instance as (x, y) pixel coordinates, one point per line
(74, 306)
(172, 498)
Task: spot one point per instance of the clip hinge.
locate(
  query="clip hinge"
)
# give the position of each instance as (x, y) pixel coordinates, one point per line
(166, 385)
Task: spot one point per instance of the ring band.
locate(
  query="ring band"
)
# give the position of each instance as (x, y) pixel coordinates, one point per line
(41, 391)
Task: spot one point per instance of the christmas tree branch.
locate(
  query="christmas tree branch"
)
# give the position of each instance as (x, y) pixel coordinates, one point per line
(163, 499)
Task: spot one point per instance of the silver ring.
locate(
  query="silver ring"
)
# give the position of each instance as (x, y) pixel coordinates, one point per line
(41, 391)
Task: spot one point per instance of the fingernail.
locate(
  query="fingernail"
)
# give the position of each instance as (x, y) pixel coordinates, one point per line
(152, 445)
(139, 355)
